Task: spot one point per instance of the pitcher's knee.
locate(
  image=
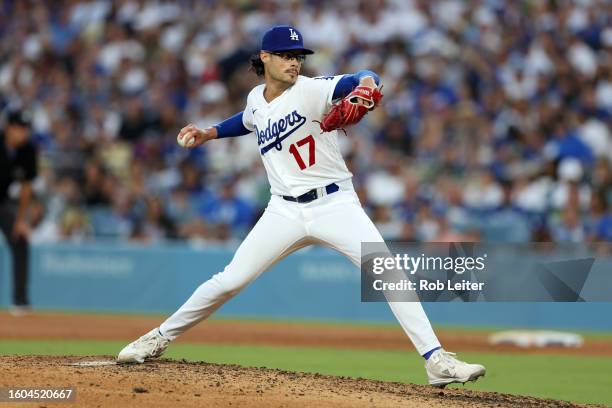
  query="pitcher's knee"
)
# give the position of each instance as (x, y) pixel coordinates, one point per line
(230, 283)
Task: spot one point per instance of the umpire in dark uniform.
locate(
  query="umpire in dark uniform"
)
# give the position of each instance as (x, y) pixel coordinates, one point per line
(18, 163)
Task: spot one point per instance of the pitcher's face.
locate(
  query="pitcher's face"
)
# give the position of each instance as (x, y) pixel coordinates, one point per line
(283, 66)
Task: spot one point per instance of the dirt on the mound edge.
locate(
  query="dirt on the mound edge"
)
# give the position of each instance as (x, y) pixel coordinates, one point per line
(171, 383)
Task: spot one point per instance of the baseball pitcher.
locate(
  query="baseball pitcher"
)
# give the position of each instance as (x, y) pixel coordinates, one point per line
(295, 120)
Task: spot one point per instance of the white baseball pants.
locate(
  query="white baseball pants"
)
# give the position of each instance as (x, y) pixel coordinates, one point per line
(337, 221)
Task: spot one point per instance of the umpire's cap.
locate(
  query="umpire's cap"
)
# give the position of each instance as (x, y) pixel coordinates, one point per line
(283, 38)
(18, 117)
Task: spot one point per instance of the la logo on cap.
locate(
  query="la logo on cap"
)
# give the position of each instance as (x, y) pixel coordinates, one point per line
(294, 36)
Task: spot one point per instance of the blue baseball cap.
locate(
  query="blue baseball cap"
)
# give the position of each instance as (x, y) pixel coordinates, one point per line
(283, 38)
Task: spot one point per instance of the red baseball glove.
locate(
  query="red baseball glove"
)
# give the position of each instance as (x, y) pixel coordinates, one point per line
(349, 110)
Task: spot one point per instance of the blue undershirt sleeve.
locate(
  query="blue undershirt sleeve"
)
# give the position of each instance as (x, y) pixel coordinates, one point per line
(232, 127)
(348, 82)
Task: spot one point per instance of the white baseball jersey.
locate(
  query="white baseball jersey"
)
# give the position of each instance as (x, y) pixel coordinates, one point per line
(296, 155)
(298, 158)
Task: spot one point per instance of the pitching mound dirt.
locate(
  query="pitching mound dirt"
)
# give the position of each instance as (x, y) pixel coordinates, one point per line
(170, 383)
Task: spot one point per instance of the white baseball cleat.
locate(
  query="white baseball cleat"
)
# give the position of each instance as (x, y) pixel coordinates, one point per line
(443, 369)
(149, 346)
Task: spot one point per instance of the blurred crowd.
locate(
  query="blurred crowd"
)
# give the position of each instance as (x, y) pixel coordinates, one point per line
(495, 125)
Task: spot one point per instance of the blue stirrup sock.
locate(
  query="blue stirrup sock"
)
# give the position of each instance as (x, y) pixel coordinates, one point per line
(430, 352)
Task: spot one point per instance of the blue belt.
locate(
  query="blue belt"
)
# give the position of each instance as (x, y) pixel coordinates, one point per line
(312, 194)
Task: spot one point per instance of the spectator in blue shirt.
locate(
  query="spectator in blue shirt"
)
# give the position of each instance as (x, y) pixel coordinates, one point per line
(228, 209)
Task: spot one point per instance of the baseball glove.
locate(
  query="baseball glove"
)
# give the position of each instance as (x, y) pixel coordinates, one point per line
(349, 111)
